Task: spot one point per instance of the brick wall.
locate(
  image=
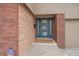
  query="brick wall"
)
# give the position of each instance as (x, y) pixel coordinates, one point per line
(26, 29)
(16, 28)
(8, 28)
(59, 30)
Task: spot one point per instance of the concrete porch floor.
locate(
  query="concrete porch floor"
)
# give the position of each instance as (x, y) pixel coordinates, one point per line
(48, 49)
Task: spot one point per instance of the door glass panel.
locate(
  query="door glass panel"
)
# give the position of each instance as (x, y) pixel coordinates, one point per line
(44, 33)
(44, 27)
(44, 21)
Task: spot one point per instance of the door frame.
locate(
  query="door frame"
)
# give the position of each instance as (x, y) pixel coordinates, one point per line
(38, 28)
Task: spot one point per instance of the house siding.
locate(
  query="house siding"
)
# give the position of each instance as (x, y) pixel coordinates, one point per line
(72, 33)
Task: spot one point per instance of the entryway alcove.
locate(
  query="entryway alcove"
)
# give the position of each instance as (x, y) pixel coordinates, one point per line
(49, 28)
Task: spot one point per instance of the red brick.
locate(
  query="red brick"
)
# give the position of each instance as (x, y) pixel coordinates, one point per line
(59, 30)
(9, 27)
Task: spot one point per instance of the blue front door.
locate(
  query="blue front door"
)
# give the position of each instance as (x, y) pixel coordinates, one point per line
(44, 28)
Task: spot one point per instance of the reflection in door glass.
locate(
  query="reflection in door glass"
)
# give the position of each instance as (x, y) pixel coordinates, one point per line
(44, 27)
(44, 21)
(44, 33)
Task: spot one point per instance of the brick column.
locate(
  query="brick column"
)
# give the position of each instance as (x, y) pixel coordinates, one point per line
(59, 26)
(9, 29)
